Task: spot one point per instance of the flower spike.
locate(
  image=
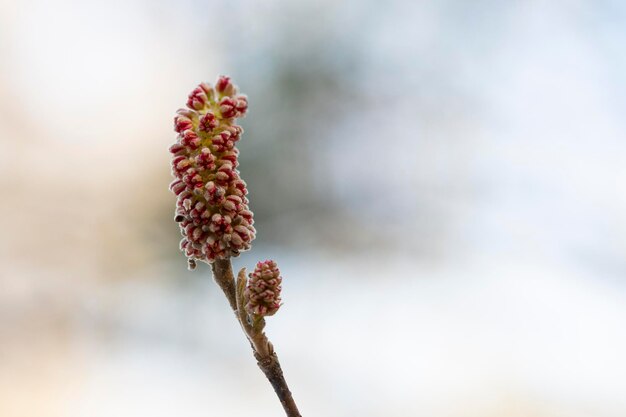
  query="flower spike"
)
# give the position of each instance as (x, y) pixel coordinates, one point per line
(212, 209)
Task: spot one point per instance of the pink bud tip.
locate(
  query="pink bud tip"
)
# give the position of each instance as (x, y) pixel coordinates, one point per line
(222, 84)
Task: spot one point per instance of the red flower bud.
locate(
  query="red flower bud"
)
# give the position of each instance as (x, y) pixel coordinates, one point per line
(208, 122)
(228, 107)
(190, 139)
(197, 99)
(182, 123)
(242, 104)
(208, 91)
(224, 86)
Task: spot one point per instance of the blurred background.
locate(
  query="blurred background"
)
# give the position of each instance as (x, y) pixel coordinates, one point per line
(443, 184)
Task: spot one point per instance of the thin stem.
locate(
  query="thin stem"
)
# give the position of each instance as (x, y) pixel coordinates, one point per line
(262, 348)
(223, 276)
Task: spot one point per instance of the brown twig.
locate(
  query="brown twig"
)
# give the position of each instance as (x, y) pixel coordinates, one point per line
(262, 348)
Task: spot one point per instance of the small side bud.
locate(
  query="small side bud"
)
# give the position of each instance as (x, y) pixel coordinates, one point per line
(263, 290)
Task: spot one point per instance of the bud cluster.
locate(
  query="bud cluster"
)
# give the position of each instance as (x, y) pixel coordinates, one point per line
(262, 293)
(212, 208)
